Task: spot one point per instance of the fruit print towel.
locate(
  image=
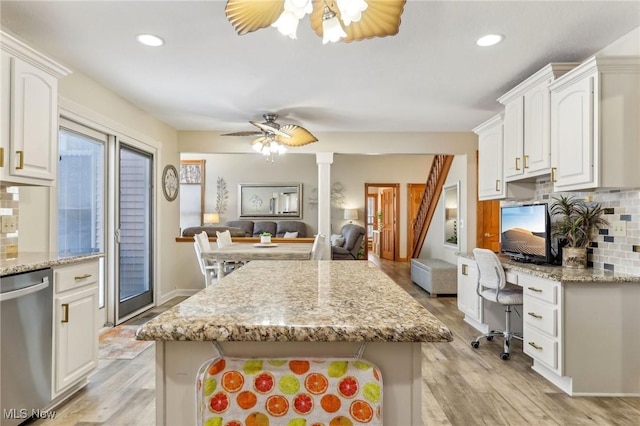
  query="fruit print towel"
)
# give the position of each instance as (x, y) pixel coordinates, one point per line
(289, 392)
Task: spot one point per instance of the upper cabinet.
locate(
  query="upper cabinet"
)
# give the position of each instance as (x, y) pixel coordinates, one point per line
(491, 184)
(29, 117)
(595, 136)
(526, 122)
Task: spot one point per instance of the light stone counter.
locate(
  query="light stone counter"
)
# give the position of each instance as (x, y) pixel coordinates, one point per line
(32, 261)
(565, 275)
(295, 308)
(300, 301)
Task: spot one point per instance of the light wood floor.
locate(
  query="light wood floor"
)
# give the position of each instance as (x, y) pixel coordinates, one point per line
(462, 386)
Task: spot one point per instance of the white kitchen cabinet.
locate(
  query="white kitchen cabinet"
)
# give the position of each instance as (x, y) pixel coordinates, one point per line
(527, 130)
(594, 125)
(469, 301)
(542, 321)
(29, 135)
(491, 185)
(75, 323)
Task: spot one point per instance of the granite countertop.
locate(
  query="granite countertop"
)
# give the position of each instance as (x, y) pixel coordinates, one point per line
(300, 300)
(566, 275)
(32, 261)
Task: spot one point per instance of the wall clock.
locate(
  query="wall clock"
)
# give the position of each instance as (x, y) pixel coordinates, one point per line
(170, 182)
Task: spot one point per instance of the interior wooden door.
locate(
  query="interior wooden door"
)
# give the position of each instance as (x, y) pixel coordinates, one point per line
(415, 192)
(488, 234)
(388, 221)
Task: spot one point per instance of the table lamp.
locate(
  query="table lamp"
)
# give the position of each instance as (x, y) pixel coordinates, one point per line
(351, 214)
(211, 218)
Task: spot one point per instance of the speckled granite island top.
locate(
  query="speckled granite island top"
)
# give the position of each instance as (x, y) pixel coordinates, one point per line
(303, 301)
(566, 275)
(32, 261)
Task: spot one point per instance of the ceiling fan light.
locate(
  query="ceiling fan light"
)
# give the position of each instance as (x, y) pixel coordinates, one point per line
(281, 149)
(287, 24)
(331, 29)
(351, 10)
(257, 146)
(298, 7)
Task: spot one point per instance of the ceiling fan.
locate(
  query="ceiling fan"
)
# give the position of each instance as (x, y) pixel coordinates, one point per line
(270, 132)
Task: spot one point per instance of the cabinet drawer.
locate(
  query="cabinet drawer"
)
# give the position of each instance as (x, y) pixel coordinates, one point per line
(75, 276)
(539, 288)
(541, 315)
(541, 348)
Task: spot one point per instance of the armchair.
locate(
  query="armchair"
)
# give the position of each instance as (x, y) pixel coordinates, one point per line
(353, 241)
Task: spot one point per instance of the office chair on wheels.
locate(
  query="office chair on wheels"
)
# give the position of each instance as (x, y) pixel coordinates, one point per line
(491, 287)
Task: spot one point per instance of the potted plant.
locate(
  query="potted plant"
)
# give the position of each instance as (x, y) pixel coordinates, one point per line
(265, 238)
(576, 223)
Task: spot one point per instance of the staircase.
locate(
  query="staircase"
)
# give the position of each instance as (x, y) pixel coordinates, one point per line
(432, 190)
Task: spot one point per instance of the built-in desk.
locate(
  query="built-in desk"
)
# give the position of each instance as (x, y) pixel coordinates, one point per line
(580, 326)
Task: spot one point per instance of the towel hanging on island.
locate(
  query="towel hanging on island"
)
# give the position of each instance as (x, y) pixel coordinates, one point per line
(299, 391)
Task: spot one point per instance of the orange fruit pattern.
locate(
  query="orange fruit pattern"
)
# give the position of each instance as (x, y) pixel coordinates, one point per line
(232, 381)
(293, 392)
(316, 383)
(277, 405)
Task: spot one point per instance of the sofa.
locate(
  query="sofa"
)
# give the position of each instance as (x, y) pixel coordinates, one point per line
(350, 244)
(276, 229)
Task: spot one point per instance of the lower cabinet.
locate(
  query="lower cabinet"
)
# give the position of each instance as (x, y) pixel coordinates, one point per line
(468, 300)
(75, 318)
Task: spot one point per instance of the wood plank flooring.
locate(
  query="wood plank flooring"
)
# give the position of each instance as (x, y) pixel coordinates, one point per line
(461, 385)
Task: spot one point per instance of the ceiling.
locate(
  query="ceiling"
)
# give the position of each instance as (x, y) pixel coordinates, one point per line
(429, 77)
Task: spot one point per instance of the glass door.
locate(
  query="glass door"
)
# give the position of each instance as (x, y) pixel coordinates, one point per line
(134, 230)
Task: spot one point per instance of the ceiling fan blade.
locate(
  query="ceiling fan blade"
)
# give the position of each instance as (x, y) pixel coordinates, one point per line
(298, 136)
(249, 15)
(380, 19)
(249, 133)
(261, 139)
(269, 129)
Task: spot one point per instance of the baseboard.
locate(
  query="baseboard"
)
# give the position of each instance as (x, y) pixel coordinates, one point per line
(564, 383)
(176, 293)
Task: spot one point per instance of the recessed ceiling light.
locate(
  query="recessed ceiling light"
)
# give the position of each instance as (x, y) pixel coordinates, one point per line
(150, 40)
(489, 40)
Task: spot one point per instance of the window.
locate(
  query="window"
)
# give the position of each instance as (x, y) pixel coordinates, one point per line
(81, 191)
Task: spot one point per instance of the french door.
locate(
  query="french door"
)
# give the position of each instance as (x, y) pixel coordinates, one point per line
(134, 230)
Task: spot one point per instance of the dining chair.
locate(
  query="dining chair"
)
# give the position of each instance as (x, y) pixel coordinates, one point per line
(210, 272)
(317, 250)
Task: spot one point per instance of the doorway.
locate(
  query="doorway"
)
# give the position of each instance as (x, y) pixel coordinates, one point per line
(134, 231)
(387, 214)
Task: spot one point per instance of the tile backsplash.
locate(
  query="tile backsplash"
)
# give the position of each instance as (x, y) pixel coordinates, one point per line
(9, 202)
(620, 254)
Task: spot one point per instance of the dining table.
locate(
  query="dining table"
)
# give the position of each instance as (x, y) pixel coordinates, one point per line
(240, 252)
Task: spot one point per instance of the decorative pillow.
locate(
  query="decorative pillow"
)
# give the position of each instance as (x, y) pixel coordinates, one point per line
(290, 391)
(337, 240)
(290, 235)
(223, 238)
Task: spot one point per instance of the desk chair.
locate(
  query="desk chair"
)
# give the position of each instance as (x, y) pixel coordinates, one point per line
(317, 250)
(491, 287)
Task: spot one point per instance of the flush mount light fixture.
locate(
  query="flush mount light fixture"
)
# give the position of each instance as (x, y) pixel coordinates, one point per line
(150, 40)
(333, 20)
(489, 40)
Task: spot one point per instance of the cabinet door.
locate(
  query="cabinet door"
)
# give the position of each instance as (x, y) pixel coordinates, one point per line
(572, 135)
(34, 122)
(537, 130)
(468, 299)
(76, 337)
(490, 182)
(513, 138)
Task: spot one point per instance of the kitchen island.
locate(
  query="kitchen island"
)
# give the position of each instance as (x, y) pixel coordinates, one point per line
(295, 308)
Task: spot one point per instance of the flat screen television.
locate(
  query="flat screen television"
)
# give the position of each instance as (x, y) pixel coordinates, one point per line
(525, 233)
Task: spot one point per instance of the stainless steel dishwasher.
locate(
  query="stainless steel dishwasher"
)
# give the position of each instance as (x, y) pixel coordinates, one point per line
(26, 318)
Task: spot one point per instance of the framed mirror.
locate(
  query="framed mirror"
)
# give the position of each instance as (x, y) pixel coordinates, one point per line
(451, 203)
(270, 200)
